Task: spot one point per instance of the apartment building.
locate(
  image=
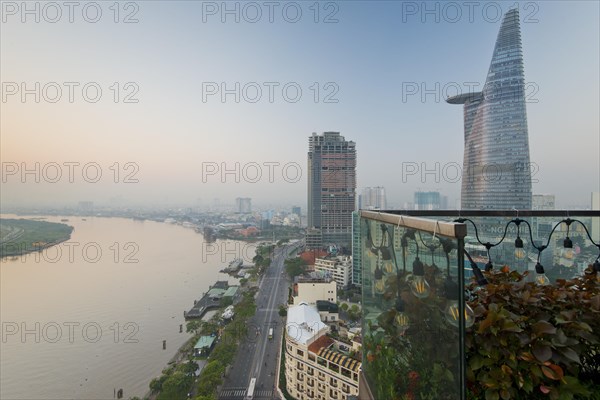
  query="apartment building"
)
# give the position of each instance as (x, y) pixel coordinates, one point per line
(338, 268)
(314, 369)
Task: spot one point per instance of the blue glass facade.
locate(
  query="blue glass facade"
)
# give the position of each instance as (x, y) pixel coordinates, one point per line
(496, 167)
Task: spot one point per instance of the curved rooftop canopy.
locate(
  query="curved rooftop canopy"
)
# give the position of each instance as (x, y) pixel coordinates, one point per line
(464, 97)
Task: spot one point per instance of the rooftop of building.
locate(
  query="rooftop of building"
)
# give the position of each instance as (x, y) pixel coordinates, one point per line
(303, 323)
(205, 341)
(343, 259)
(324, 342)
(464, 98)
(313, 277)
(340, 359)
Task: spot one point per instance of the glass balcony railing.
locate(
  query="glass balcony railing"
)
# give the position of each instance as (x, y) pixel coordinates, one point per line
(413, 306)
(422, 269)
(515, 239)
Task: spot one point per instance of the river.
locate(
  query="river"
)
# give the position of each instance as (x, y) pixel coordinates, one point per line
(88, 316)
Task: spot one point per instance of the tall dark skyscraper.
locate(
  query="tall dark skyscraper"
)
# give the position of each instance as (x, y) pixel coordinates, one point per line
(496, 168)
(331, 188)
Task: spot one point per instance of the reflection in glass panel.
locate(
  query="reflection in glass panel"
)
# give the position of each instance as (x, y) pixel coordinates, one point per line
(410, 326)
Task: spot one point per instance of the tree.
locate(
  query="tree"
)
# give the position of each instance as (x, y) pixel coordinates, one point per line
(354, 313)
(225, 302)
(282, 311)
(295, 266)
(193, 326)
(257, 259)
(175, 386)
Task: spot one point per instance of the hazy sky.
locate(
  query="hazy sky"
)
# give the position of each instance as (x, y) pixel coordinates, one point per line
(363, 75)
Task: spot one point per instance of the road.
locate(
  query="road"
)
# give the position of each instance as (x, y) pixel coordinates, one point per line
(257, 355)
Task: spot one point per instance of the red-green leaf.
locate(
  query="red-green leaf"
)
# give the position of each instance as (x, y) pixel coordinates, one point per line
(553, 371)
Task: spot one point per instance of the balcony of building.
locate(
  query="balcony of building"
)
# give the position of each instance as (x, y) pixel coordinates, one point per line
(480, 304)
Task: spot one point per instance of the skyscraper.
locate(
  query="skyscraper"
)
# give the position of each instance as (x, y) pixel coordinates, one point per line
(373, 198)
(243, 205)
(496, 168)
(428, 201)
(331, 187)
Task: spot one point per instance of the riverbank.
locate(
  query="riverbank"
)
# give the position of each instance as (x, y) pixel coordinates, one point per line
(24, 236)
(182, 354)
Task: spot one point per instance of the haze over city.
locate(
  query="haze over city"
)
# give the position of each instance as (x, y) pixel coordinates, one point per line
(377, 72)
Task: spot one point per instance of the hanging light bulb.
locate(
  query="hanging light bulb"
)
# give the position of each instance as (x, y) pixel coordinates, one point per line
(452, 310)
(418, 285)
(540, 275)
(401, 319)
(378, 281)
(519, 252)
(452, 313)
(388, 267)
(387, 262)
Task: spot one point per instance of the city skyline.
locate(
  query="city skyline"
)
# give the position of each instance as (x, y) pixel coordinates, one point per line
(172, 140)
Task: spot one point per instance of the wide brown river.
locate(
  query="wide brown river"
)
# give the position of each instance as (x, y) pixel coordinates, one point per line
(86, 317)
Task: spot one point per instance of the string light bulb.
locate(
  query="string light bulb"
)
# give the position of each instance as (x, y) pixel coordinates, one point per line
(401, 320)
(419, 286)
(452, 309)
(519, 252)
(540, 275)
(379, 283)
(387, 262)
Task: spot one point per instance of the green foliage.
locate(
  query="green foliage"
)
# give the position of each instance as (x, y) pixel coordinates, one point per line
(211, 378)
(225, 350)
(21, 236)
(175, 386)
(531, 341)
(209, 397)
(295, 266)
(193, 326)
(282, 311)
(282, 380)
(353, 312)
(225, 302)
